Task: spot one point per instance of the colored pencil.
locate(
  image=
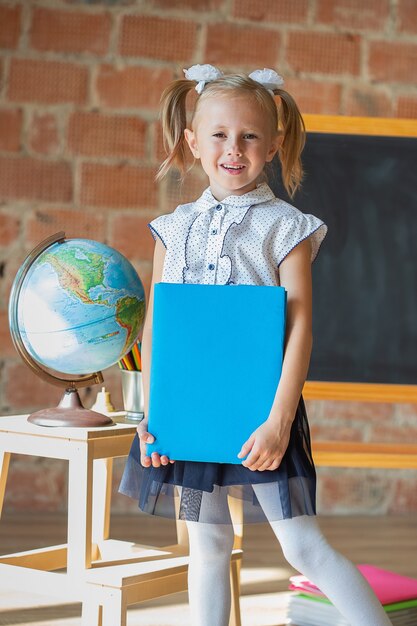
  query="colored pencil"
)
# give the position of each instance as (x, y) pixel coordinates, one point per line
(132, 361)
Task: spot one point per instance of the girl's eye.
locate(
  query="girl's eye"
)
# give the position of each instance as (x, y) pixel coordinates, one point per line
(250, 136)
(219, 135)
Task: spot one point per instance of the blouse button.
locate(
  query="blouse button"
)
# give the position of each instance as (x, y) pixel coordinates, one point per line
(219, 207)
(211, 266)
(214, 231)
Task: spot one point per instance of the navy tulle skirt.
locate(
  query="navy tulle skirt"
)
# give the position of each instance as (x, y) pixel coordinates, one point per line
(199, 491)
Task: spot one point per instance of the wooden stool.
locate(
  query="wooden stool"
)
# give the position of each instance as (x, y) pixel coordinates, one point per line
(111, 589)
(89, 452)
(147, 572)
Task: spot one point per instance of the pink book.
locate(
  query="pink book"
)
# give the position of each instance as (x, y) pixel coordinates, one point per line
(388, 586)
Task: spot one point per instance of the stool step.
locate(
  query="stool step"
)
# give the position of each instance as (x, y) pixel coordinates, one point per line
(117, 552)
(110, 589)
(124, 574)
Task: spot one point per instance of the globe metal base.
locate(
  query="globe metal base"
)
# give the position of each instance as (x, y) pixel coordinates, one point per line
(70, 413)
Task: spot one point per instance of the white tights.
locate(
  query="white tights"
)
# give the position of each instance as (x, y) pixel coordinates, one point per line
(305, 549)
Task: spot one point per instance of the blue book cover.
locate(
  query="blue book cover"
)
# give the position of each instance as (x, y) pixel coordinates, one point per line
(217, 353)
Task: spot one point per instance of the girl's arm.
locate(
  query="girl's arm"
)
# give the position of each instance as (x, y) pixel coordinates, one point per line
(295, 276)
(268, 443)
(145, 437)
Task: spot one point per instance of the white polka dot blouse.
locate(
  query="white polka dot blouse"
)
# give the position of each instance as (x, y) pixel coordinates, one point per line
(240, 240)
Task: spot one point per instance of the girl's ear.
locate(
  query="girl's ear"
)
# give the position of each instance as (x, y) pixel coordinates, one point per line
(192, 142)
(275, 145)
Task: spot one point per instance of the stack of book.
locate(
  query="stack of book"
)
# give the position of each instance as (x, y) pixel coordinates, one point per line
(398, 595)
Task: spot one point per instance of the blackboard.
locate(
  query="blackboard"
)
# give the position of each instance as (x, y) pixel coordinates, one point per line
(365, 276)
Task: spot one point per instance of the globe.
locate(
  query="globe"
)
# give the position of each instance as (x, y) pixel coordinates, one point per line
(77, 306)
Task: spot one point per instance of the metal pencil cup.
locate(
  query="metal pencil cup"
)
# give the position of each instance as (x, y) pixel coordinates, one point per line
(132, 390)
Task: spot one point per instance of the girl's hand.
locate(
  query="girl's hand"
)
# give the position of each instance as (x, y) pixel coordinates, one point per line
(155, 459)
(266, 446)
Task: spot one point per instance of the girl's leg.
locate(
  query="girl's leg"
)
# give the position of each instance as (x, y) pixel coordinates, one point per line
(306, 549)
(211, 546)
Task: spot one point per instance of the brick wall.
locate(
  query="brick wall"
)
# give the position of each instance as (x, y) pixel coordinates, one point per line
(80, 145)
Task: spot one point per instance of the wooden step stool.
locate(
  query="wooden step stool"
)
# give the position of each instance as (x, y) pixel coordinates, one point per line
(110, 590)
(128, 574)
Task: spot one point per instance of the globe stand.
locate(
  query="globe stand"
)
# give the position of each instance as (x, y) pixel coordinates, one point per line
(69, 412)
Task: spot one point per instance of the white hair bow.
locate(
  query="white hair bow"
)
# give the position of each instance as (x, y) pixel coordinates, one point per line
(202, 74)
(268, 79)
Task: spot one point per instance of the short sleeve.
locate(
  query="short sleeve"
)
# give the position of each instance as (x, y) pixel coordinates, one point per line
(159, 228)
(293, 229)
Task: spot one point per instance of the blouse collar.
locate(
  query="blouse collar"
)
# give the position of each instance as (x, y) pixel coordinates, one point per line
(262, 193)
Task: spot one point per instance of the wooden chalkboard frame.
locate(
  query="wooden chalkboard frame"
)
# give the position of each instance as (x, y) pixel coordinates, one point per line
(375, 126)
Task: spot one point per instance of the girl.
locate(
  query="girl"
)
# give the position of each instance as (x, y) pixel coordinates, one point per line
(239, 232)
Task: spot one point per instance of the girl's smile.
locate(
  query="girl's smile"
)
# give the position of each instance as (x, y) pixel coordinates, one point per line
(233, 139)
(233, 168)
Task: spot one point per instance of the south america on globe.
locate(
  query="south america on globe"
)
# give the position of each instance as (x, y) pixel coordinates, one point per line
(81, 307)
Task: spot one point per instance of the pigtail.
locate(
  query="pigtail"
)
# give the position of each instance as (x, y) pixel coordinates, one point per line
(293, 142)
(174, 121)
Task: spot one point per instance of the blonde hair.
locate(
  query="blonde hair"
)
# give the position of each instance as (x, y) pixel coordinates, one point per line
(285, 118)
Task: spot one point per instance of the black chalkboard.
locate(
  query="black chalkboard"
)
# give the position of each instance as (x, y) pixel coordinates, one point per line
(365, 276)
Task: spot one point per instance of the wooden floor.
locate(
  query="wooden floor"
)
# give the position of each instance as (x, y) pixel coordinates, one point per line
(389, 542)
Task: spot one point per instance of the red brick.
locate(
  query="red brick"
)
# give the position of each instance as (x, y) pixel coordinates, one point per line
(8, 270)
(47, 82)
(355, 14)
(69, 31)
(10, 129)
(392, 61)
(131, 87)
(7, 348)
(229, 44)
(171, 40)
(358, 411)
(96, 134)
(177, 192)
(131, 236)
(27, 178)
(407, 16)
(192, 5)
(75, 223)
(39, 484)
(9, 228)
(366, 101)
(328, 53)
(10, 18)
(120, 3)
(267, 11)
(27, 392)
(355, 491)
(393, 434)
(335, 433)
(314, 96)
(43, 135)
(118, 186)
(405, 497)
(407, 412)
(407, 107)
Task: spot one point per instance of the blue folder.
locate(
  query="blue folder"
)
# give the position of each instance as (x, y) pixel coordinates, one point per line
(217, 354)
